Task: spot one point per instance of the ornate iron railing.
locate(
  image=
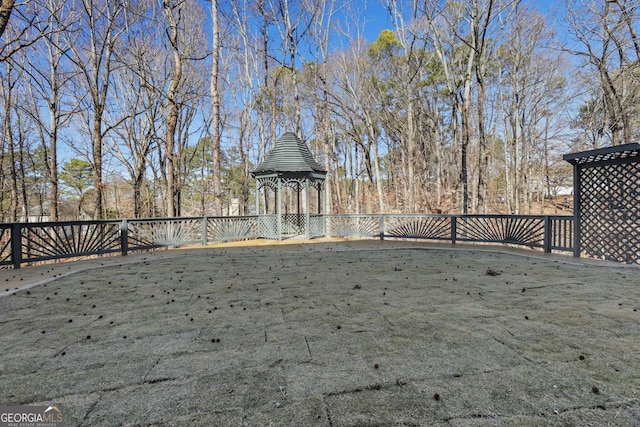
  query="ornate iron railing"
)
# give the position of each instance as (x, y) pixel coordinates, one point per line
(356, 225)
(55, 240)
(5, 244)
(22, 243)
(432, 227)
(230, 228)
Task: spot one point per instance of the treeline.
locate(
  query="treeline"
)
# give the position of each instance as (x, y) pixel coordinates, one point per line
(143, 108)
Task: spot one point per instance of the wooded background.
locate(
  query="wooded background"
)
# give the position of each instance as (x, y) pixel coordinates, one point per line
(146, 108)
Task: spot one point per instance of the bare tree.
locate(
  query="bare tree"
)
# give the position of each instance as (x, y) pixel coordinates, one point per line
(173, 13)
(606, 41)
(185, 47)
(9, 83)
(355, 101)
(530, 86)
(48, 78)
(101, 24)
(293, 20)
(458, 31)
(136, 87)
(241, 81)
(321, 31)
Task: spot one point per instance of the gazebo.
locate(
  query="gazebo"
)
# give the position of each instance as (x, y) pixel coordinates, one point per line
(284, 183)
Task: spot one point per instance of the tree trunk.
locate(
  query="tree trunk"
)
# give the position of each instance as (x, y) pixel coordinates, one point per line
(8, 135)
(6, 6)
(54, 109)
(53, 165)
(483, 156)
(98, 186)
(173, 113)
(215, 109)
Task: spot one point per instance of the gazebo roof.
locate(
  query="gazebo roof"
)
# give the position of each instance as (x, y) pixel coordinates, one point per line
(290, 154)
(617, 153)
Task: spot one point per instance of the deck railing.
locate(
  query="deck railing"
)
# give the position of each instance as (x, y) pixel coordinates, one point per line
(24, 243)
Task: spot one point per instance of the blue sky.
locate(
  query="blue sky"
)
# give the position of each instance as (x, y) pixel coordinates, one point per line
(377, 19)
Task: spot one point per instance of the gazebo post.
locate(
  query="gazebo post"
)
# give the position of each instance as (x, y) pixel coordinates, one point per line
(322, 201)
(307, 217)
(257, 197)
(279, 210)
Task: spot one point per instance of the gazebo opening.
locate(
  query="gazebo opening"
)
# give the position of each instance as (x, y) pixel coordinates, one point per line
(290, 191)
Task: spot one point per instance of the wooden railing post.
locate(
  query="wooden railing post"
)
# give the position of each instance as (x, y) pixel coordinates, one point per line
(381, 221)
(16, 245)
(124, 237)
(548, 230)
(204, 231)
(454, 231)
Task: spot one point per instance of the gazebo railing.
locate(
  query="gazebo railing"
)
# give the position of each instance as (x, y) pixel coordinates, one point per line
(316, 226)
(22, 243)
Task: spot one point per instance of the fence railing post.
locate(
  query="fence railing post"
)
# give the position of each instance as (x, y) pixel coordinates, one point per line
(454, 229)
(381, 221)
(124, 237)
(16, 245)
(204, 231)
(547, 234)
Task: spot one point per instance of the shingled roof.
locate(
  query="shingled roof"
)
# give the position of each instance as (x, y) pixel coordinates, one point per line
(289, 154)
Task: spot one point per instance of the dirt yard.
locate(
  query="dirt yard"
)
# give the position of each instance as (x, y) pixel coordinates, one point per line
(355, 333)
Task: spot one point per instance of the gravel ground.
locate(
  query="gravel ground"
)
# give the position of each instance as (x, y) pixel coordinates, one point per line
(331, 333)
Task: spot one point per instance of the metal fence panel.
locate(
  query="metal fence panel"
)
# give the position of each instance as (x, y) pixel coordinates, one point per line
(5, 245)
(231, 228)
(353, 225)
(432, 227)
(562, 233)
(510, 229)
(55, 240)
(45, 241)
(160, 232)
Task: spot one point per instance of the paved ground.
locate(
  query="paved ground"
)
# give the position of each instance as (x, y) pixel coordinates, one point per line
(357, 333)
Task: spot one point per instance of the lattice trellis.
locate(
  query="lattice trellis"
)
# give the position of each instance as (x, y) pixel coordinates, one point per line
(609, 212)
(607, 202)
(316, 226)
(268, 226)
(293, 224)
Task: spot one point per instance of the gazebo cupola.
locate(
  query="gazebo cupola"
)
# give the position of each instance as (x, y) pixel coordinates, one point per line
(284, 200)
